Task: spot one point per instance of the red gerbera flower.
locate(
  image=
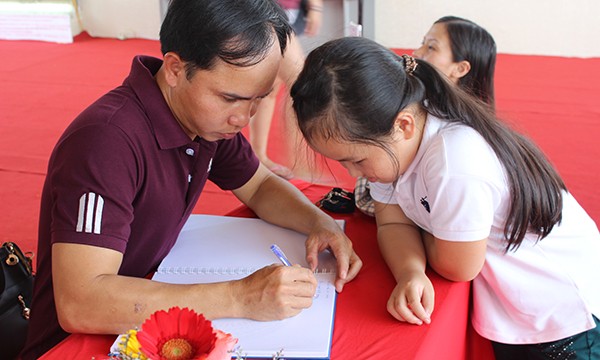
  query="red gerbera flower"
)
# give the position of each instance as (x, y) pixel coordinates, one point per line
(183, 334)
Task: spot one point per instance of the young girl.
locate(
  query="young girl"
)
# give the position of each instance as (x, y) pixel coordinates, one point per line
(456, 188)
(465, 53)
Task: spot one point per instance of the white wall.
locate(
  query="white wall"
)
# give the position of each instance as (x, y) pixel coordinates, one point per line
(535, 27)
(121, 19)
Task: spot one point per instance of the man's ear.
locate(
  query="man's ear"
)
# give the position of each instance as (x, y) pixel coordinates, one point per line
(461, 69)
(174, 68)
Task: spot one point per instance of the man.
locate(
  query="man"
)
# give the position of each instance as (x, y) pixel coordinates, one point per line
(126, 174)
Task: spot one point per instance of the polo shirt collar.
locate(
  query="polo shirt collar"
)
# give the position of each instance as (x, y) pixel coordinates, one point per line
(166, 128)
(433, 125)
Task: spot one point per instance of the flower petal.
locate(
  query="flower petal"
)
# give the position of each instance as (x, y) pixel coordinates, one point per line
(168, 322)
(223, 346)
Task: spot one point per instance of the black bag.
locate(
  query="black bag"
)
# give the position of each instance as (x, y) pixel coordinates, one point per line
(337, 200)
(16, 288)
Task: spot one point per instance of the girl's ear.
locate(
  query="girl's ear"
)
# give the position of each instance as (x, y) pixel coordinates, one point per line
(460, 69)
(174, 68)
(405, 125)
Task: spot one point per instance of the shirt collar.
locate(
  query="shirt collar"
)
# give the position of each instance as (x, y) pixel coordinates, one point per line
(166, 128)
(432, 127)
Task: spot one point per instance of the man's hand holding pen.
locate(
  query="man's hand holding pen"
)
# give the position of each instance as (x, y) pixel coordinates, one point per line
(275, 292)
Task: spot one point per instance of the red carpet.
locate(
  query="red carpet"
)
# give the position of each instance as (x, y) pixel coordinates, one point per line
(45, 85)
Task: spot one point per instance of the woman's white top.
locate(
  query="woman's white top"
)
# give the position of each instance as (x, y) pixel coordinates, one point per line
(456, 189)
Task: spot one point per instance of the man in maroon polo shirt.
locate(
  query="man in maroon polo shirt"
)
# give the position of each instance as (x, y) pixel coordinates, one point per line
(126, 174)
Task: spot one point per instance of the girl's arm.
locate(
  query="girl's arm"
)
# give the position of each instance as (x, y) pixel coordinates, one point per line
(455, 260)
(402, 248)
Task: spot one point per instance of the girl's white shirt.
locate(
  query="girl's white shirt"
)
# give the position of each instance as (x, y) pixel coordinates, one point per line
(456, 189)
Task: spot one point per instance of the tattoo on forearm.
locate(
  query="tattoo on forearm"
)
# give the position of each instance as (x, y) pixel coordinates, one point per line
(138, 308)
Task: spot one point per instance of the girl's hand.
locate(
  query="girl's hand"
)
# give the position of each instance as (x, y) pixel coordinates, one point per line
(412, 300)
(328, 235)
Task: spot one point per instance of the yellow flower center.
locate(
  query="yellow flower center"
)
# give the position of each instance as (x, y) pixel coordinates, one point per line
(177, 349)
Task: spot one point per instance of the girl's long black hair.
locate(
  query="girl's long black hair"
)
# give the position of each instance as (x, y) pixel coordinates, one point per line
(352, 88)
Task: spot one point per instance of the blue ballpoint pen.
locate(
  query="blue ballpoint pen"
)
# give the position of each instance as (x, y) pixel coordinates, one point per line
(277, 251)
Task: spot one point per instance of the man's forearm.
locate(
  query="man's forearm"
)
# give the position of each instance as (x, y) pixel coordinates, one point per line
(114, 303)
(280, 203)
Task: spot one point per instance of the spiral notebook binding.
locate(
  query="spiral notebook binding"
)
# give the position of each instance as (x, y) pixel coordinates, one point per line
(222, 270)
(324, 271)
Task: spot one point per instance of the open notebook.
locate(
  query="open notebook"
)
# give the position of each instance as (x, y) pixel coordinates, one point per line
(219, 248)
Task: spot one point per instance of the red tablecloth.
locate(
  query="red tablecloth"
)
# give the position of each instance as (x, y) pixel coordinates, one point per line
(363, 328)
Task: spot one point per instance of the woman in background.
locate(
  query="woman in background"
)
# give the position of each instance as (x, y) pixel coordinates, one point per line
(457, 189)
(464, 52)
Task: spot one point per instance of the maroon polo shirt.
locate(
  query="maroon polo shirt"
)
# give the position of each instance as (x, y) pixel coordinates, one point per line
(125, 176)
